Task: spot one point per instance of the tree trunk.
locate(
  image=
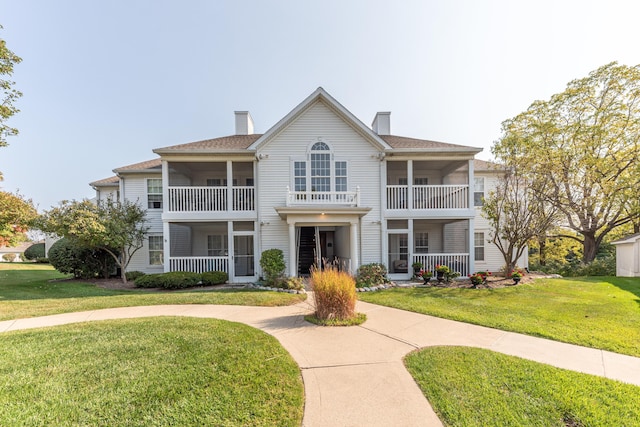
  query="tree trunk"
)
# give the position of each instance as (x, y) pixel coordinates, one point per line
(542, 245)
(590, 248)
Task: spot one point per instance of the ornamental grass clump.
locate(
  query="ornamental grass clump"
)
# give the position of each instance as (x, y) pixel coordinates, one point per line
(335, 294)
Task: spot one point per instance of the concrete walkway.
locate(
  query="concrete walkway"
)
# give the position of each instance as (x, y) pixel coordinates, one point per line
(354, 376)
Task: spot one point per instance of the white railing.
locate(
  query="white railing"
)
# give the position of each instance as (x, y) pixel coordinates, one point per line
(210, 199)
(456, 262)
(428, 197)
(348, 198)
(199, 264)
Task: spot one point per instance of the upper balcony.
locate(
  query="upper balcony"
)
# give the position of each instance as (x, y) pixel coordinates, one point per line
(199, 189)
(338, 198)
(428, 187)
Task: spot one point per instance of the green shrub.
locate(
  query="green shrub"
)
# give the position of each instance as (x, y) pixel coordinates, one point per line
(68, 257)
(133, 275)
(214, 278)
(171, 280)
(42, 260)
(273, 266)
(9, 257)
(371, 275)
(284, 282)
(148, 281)
(335, 294)
(34, 251)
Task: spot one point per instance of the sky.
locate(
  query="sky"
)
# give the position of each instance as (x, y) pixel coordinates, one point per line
(106, 82)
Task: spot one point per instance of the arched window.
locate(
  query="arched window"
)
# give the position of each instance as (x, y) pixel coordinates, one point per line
(319, 172)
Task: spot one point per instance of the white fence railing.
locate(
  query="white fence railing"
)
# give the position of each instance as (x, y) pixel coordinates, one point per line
(210, 199)
(197, 264)
(347, 198)
(428, 197)
(456, 262)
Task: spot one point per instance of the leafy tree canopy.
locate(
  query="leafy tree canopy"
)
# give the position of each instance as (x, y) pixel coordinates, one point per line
(118, 228)
(16, 214)
(580, 151)
(8, 94)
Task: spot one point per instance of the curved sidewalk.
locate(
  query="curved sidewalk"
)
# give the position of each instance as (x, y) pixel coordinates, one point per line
(354, 376)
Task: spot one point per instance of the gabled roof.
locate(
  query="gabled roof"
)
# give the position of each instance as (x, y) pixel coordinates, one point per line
(483, 165)
(321, 95)
(227, 144)
(106, 182)
(149, 166)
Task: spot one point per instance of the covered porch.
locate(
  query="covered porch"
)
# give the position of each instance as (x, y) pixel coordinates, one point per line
(198, 247)
(430, 242)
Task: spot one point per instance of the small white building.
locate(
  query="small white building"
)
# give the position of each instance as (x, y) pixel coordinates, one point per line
(319, 184)
(628, 256)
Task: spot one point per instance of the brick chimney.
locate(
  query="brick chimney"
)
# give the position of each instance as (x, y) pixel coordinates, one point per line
(382, 123)
(244, 123)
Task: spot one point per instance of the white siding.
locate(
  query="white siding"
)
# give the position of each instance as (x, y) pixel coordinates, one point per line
(135, 190)
(275, 174)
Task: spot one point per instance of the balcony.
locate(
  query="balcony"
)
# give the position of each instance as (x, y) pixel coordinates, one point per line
(211, 199)
(310, 198)
(427, 197)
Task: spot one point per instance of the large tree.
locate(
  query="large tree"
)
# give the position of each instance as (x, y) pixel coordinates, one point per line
(16, 214)
(516, 216)
(8, 93)
(580, 150)
(117, 228)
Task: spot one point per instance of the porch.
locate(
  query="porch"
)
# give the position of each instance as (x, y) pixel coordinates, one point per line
(428, 185)
(205, 187)
(212, 246)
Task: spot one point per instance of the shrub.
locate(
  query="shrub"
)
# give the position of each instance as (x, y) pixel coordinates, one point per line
(335, 294)
(214, 278)
(133, 275)
(68, 257)
(371, 275)
(42, 260)
(34, 251)
(171, 280)
(9, 257)
(273, 266)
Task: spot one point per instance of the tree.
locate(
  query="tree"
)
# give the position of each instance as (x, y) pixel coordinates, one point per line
(16, 214)
(9, 94)
(516, 216)
(580, 152)
(117, 228)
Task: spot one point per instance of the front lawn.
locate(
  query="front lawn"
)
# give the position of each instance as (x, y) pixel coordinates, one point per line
(475, 387)
(598, 312)
(139, 372)
(30, 290)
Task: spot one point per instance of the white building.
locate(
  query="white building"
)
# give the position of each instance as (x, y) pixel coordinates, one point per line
(319, 184)
(628, 256)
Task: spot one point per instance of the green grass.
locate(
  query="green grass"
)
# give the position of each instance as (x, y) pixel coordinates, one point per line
(27, 290)
(599, 312)
(148, 372)
(474, 387)
(357, 319)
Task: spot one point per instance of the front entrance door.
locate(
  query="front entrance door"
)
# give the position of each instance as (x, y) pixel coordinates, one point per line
(243, 256)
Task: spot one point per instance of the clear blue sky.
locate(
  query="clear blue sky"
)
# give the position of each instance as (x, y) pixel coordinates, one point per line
(105, 82)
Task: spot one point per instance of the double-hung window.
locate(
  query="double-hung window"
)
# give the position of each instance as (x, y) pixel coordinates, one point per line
(478, 191)
(156, 251)
(154, 193)
(478, 243)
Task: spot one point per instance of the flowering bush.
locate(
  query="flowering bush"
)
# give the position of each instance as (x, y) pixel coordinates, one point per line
(424, 273)
(477, 278)
(371, 275)
(516, 274)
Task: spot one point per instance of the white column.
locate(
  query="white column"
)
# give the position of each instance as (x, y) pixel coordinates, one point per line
(231, 251)
(472, 254)
(355, 256)
(293, 256)
(166, 246)
(471, 184)
(229, 186)
(165, 186)
(410, 185)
